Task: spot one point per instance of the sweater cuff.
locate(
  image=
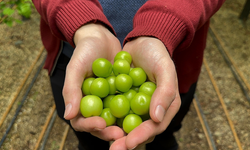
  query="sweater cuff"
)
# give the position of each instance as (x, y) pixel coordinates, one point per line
(74, 14)
(164, 26)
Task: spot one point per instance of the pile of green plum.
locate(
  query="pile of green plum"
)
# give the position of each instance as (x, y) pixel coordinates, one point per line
(118, 93)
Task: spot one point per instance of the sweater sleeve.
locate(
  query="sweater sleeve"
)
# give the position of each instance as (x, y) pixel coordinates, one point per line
(65, 17)
(174, 22)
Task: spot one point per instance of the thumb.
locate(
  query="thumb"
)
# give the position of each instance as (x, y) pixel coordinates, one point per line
(72, 93)
(165, 93)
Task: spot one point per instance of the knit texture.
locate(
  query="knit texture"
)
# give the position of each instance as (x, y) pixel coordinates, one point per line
(120, 14)
(69, 20)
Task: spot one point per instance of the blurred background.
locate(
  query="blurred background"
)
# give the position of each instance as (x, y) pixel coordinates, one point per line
(219, 117)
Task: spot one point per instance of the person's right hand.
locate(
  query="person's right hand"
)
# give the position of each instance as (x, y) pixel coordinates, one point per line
(92, 41)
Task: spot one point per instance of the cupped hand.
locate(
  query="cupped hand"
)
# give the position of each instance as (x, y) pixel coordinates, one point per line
(92, 41)
(150, 54)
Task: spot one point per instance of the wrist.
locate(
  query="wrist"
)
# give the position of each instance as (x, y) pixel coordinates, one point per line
(89, 30)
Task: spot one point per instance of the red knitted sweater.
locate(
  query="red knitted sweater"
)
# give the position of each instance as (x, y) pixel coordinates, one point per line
(180, 24)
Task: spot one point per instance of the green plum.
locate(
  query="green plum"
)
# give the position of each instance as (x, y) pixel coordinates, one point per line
(102, 67)
(121, 66)
(112, 87)
(119, 106)
(130, 122)
(123, 82)
(100, 87)
(86, 85)
(108, 117)
(138, 76)
(123, 55)
(106, 100)
(91, 105)
(148, 88)
(140, 103)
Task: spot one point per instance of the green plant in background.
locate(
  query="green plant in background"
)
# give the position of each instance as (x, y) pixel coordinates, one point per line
(9, 7)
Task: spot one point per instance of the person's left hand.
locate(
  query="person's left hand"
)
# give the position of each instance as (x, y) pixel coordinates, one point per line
(151, 55)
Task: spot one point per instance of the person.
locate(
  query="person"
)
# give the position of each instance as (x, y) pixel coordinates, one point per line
(166, 38)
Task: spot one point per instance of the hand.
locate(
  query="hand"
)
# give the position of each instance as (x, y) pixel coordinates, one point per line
(92, 41)
(151, 55)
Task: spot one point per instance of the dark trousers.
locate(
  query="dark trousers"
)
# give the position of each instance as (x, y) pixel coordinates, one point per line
(89, 142)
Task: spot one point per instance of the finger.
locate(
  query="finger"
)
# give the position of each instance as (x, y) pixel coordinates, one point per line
(90, 124)
(72, 88)
(144, 132)
(110, 133)
(166, 91)
(78, 68)
(119, 144)
(124, 143)
(139, 147)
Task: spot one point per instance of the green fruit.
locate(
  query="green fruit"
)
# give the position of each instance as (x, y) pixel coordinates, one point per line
(138, 76)
(91, 105)
(108, 117)
(112, 87)
(121, 66)
(86, 86)
(100, 87)
(123, 55)
(123, 82)
(148, 88)
(102, 67)
(130, 94)
(130, 122)
(136, 88)
(140, 103)
(106, 100)
(119, 106)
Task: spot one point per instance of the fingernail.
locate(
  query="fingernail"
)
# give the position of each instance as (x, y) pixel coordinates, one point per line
(132, 148)
(159, 113)
(97, 129)
(67, 110)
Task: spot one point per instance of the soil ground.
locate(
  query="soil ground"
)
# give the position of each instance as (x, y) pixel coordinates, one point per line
(20, 48)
